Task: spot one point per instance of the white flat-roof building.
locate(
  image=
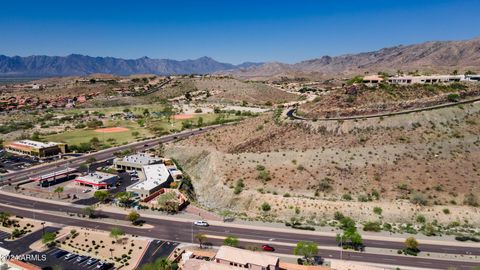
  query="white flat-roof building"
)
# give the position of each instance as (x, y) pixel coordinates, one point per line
(136, 161)
(156, 176)
(426, 79)
(97, 180)
(372, 79)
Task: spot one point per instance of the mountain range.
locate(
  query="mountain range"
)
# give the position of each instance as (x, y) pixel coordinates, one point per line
(433, 56)
(76, 64)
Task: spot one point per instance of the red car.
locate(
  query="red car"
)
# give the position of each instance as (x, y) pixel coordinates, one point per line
(267, 248)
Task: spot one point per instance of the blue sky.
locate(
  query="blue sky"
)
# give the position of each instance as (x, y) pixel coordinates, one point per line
(230, 31)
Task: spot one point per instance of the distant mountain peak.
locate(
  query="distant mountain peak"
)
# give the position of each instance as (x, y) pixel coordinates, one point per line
(432, 56)
(78, 64)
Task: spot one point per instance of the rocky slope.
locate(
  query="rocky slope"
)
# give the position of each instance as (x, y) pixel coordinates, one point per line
(434, 56)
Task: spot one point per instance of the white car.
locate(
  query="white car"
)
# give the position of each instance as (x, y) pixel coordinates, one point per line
(200, 223)
(86, 190)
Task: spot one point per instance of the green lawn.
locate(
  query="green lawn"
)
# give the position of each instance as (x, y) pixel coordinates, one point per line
(208, 119)
(75, 137)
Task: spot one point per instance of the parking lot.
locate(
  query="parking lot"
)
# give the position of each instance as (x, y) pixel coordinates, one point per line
(3, 236)
(15, 163)
(158, 249)
(56, 257)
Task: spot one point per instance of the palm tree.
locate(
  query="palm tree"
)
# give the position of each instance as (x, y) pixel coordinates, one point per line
(58, 190)
(4, 218)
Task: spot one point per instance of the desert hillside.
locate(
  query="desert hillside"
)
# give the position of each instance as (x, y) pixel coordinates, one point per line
(407, 164)
(225, 90)
(433, 56)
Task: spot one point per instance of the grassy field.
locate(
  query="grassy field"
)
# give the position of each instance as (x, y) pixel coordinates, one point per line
(176, 125)
(161, 125)
(78, 136)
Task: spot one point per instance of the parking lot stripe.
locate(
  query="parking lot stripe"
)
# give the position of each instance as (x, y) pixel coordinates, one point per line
(53, 251)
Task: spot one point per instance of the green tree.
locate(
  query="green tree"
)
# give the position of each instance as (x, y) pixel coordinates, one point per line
(58, 191)
(101, 195)
(95, 142)
(116, 233)
(160, 264)
(48, 238)
(200, 237)
(89, 211)
(124, 198)
(231, 241)
(200, 122)
(133, 217)
(306, 249)
(4, 218)
(411, 243)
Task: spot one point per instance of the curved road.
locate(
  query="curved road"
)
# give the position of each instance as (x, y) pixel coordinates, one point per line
(291, 112)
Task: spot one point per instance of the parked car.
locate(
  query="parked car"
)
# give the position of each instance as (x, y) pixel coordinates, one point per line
(86, 190)
(200, 223)
(92, 261)
(104, 266)
(81, 258)
(70, 256)
(267, 248)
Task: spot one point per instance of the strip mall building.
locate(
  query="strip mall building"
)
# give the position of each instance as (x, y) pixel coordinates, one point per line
(35, 149)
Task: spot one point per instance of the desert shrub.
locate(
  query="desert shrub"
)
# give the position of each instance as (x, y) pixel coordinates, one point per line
(338, 216)
(418, 198)
(372, 227)
(470, 199)
(265, 207)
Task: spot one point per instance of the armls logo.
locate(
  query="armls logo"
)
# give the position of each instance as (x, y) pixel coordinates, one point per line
(25, 257)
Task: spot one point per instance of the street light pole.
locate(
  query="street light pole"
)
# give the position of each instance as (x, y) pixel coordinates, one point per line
(43, 228)
(341, 247)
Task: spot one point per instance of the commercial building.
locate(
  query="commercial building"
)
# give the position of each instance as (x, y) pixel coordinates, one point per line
(35, 149)
(53, 178)
(155, 177)
(246, 259)
(136, 161)
(97, 180)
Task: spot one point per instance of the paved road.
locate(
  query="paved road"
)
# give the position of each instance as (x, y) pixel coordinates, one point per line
(291, 112)
(100, 155)
(21, 246)
(184, 231)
